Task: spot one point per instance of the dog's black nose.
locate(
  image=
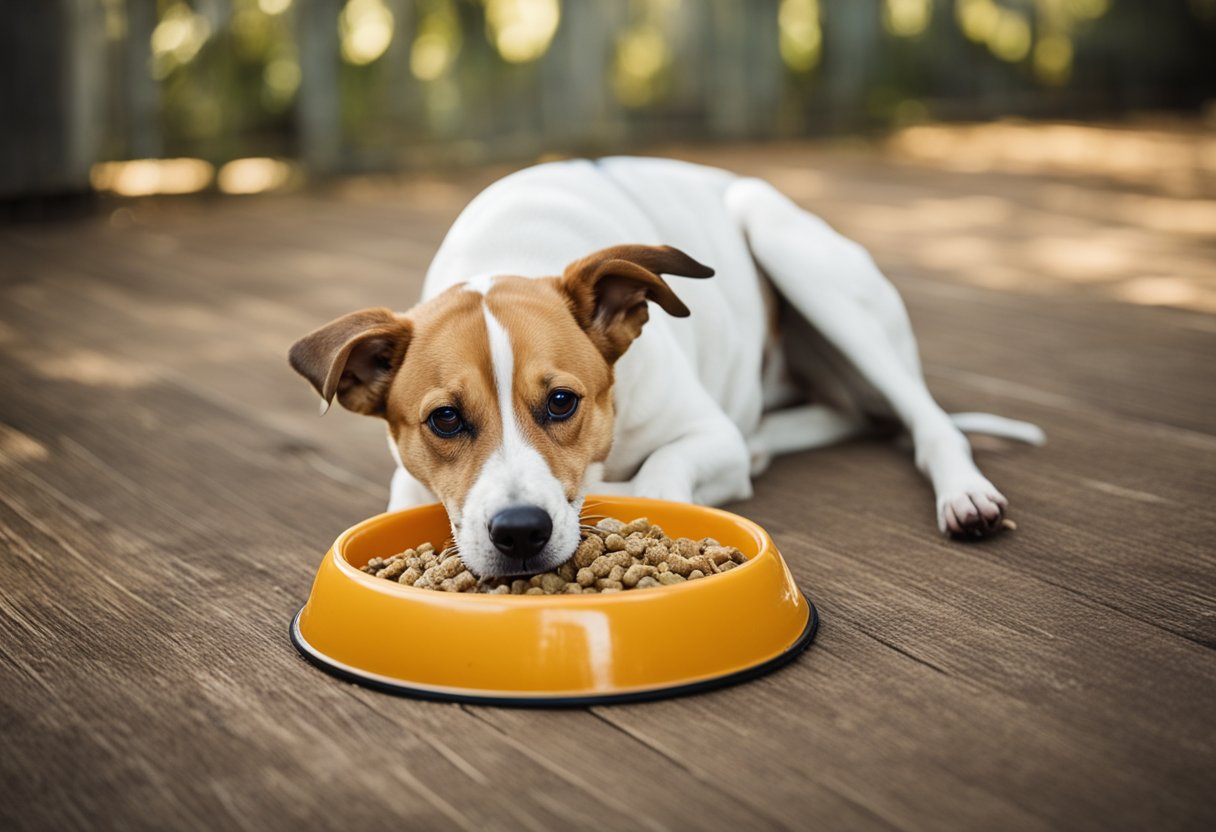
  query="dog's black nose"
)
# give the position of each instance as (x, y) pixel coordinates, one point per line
(520, 531)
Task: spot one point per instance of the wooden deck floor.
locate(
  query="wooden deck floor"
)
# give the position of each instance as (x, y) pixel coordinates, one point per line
(168, 490)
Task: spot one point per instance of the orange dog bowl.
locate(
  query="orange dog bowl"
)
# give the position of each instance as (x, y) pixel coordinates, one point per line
(554, 649)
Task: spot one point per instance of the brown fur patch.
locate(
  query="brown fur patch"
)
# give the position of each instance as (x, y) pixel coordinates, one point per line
(448, 364)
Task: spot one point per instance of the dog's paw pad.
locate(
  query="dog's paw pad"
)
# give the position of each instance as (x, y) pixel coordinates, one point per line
(974, 510)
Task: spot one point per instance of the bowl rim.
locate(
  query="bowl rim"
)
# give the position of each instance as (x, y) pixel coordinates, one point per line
(764, 548)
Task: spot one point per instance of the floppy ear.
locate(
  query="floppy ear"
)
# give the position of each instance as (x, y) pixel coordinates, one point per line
(607, 291)
(354, 357)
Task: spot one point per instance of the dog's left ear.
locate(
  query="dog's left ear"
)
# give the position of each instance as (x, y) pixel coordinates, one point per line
(354, 357)
(608, 291)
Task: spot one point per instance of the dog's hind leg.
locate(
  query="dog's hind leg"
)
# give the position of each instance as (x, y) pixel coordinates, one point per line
(835, 285)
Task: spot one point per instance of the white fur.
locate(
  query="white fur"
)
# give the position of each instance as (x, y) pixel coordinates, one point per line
(693, 395)
(481, 284)
(514, 474)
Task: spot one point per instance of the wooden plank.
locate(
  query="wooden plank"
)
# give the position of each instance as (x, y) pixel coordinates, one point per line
(167, 491)
(177, 553)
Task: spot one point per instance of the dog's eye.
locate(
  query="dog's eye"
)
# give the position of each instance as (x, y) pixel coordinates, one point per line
(445, 421)
(561, 405)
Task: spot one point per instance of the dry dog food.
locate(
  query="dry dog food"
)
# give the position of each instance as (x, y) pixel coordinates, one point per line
(612, 557)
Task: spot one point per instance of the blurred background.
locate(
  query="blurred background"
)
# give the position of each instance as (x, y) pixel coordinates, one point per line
(243, 96)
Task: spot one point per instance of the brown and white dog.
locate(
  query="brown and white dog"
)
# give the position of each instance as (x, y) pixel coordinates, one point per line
(531, 374)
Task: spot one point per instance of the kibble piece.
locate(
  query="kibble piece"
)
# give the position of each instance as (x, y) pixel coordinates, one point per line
(656, 553)
(616, 572)
(608, 589)
(600, 566)
(551, 583)
(567, 571)
(647, 582)
(451, 567)
(426, 547)
(610, 525)
(679, 564)
(375, 564)
(501, 589)
(635, 547)
(694, 574)
(392, 571)
(588, 550)
(669, 578)
(635, 573)
(573, 589)
(727, 565)
(614, 543)
(410, 576)
(708, 541)
(534, 590)
(604, 583)
(519, 586)
(640, 525)
(687, 548)
(585, 577)
(460, 583)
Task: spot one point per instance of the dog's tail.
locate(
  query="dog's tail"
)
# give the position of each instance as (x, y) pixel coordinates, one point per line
(993, 425)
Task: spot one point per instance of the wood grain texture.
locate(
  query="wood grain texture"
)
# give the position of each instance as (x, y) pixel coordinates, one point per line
(167, 492)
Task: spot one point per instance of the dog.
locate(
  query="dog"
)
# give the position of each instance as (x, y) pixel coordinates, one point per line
(531, 373)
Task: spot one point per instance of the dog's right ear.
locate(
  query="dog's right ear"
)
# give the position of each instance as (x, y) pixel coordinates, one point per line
(354, 357)
(608, 291)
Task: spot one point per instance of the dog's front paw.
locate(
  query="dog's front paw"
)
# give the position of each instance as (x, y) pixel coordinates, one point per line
(975, 509)
(657, 484)
(759, 456)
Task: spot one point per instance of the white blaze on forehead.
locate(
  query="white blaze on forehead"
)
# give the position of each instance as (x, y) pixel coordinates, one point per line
(480, 284)
(514, 474)
(502, 360)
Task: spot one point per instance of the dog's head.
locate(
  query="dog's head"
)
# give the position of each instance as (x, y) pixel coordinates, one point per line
(498, 393)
